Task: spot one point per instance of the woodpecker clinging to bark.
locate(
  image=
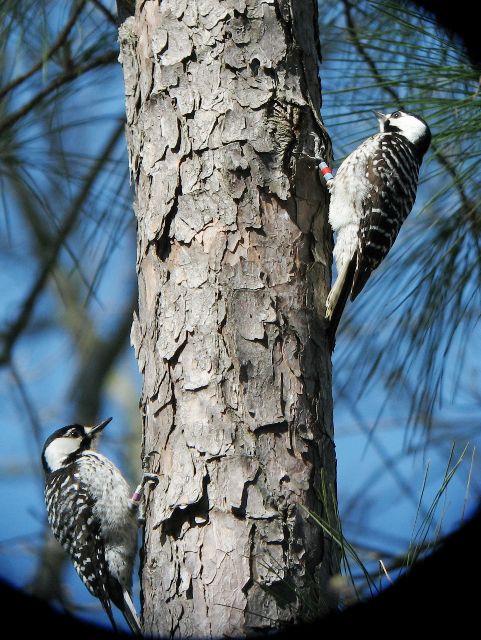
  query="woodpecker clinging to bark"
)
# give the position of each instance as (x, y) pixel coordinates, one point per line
(92, 515)
(371, 196)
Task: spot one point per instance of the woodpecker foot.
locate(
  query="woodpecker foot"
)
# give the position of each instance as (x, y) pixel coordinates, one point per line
(136, 499)
(147, 478)
(151, 477)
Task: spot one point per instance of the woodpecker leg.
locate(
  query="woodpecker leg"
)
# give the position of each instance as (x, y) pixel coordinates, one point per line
(136, 499)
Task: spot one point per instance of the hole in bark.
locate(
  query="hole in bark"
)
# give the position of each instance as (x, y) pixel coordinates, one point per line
(239, 172)
(163, 245)
(240, 511)
(254, 64)
(269, 71)
(196, 514)
(257, 231)
(244, 372)
(282, 592)
(277, 427)
(264, 341)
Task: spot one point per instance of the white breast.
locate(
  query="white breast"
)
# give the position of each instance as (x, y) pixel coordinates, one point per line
(350, 188)
(351, 185)
(112, 495)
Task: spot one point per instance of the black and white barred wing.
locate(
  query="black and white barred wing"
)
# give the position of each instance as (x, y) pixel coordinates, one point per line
(70, 515)
(393, 176)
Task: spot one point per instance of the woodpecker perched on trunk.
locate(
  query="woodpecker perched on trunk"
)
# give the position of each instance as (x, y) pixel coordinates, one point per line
(93, 516)
(371, 196)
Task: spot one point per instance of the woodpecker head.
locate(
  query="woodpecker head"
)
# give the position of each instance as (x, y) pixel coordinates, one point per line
(412, 127)
(66, 443)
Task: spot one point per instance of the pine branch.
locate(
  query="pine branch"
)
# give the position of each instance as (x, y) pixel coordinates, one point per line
(107, 13)
(69, 75)
(11, 335)
(59, 42)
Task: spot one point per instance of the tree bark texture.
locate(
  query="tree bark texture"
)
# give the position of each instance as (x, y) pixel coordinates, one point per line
(222, 99)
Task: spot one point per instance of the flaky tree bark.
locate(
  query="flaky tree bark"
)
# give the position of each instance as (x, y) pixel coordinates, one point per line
(222, 100)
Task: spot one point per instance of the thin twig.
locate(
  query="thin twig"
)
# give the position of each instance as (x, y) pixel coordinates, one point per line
(59, 42)
(107, 13)
(70, 74)
(18, 326)
(28, 405)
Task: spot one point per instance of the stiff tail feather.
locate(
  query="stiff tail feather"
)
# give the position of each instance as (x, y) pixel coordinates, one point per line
(108, 611)
(130, 614)
(103, 595)
(337, 298)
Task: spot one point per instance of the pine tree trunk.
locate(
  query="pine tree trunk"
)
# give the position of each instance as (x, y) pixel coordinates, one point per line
(222, 98)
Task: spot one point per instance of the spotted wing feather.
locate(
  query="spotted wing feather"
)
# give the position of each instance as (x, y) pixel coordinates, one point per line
(393, 175)
(70, 514)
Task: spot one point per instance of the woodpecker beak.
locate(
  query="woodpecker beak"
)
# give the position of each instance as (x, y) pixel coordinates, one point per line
(380, 116)
(99, 427)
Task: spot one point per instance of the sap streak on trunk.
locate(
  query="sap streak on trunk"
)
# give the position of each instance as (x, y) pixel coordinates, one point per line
(233, 264)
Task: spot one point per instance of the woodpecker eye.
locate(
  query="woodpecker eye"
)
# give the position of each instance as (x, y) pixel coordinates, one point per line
(74, 432)
(396, 115)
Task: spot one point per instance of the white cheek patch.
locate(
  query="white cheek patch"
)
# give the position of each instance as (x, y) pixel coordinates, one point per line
(58, 450)
(412, 128)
